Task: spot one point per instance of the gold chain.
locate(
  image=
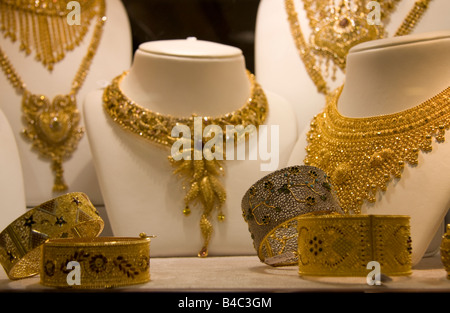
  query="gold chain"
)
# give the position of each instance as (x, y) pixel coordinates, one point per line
(412, 18)
(201, 174)
(52, 126)
(336, 30)
(362, 154)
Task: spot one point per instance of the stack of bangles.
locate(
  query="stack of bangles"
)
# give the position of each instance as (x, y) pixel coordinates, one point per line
(294, 218)
(59, 240)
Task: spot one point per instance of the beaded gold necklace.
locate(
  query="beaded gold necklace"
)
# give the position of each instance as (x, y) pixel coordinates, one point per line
(52, 126)
(200, 174)
(362, 154)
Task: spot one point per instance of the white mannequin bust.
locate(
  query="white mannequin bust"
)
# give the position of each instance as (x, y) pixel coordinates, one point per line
(110, 58)
(278, 64)
(388, 76)
(11, 180)
(178, 77)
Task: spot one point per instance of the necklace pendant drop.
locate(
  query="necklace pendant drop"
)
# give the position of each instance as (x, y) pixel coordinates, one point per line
(52, 127)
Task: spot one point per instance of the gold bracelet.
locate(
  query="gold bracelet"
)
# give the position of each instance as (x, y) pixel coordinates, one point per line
(69, 215)
(445, 251)
(101, 262)
(344, 245)
(271, 207)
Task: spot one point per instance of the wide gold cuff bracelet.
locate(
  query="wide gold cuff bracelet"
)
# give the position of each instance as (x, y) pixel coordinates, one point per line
(445, 251)
(102, 262)
(70, 215)
(271, 207)
(343, 245)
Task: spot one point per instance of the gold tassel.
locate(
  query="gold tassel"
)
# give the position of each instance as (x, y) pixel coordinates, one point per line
(44, 29)
(206, 229)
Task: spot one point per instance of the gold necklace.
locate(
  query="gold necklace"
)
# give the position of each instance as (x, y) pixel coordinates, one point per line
(362, 154)
(43, 26)
(52, 126)
(335, 29)
(200, 174)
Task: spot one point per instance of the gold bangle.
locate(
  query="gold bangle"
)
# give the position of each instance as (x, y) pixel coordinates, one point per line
(103, 262)
(69, 215)
(445, 251)
(344, 245)
(271, 207)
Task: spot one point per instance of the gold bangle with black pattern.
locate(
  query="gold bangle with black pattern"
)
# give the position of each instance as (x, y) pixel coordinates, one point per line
(69, 216)
(102, 262)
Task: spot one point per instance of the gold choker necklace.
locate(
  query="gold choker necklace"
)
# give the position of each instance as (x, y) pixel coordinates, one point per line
(362, 154)
(338, 27)
(200, 174)
(52, 126)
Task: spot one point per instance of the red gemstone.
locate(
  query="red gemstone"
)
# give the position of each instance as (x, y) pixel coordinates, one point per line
(344, 22)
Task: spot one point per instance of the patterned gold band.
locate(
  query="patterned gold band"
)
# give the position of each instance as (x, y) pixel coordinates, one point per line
(343, 245)
(70, 215)
(271, 207)
(102, 262)
(445, 251)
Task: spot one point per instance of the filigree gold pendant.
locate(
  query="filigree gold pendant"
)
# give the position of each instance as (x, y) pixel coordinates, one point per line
(334, 37)
(205, 188)
(52, 128)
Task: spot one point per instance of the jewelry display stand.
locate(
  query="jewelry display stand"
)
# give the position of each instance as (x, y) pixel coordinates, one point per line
(11, 179)
(280, 68)
(141, 194)
(111, 57)
(388, 76)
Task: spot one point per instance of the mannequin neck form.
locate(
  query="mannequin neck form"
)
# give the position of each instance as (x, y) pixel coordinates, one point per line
(183, 77)
(392, 75)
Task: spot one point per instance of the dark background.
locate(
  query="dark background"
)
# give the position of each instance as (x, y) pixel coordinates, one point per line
(230, 22)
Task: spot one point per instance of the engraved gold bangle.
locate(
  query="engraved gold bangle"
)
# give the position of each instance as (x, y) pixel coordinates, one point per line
(69, 215)
(445, 251)
(103, 262)
(271, 207)
(343, 245)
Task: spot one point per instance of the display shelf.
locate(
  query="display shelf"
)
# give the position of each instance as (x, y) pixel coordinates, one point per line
(248, 274)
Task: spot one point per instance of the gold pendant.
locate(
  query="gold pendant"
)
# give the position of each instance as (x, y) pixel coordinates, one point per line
(204, 188)
(52, 127)
(336, 35)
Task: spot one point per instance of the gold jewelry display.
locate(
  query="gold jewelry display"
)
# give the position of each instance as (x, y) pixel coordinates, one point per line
(52, 125)
(42, 26)
(343, 245)
(271, 207)
(200, 174)
(68, 216)
(103, 262)
(362, 154)
(445, 251)
(338, 27)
